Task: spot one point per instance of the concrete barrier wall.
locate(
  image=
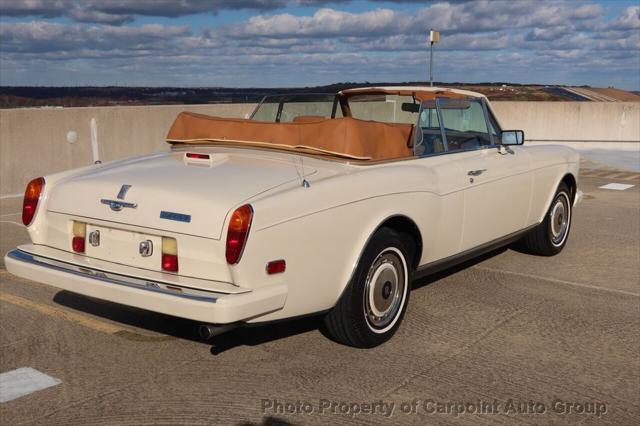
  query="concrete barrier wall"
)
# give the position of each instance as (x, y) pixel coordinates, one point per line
(572, 121)
(33, 142)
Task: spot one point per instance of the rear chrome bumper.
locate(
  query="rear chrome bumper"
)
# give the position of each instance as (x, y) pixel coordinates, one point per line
(156, 296)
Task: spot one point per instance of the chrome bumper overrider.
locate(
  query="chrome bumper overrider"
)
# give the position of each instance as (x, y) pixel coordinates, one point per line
(112, 278)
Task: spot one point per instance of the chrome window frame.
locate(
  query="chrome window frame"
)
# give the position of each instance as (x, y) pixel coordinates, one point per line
(487, 118)
(287, 97)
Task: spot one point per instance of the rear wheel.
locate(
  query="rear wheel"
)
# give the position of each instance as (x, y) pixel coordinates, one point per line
(372, 306)
(550, 236)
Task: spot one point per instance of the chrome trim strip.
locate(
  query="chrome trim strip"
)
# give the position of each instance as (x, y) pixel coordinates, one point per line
(469, 254)
(117, 279)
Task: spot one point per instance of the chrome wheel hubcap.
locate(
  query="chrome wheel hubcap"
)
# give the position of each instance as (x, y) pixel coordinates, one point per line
(384, 289)
(560, 216)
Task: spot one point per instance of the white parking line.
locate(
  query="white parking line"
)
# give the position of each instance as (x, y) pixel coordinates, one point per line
(23, 381)
(617, 186)
(83, 320)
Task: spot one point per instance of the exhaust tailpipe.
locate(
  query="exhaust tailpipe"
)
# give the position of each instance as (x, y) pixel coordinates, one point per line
(207, 331)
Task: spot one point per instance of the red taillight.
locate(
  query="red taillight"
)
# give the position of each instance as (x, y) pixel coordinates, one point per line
(77, 244)
(239, 226)
(170, 262)
(276, 267)
(31, 198)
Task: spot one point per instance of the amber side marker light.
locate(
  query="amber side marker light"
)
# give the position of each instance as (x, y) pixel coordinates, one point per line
(31, 199)
(238, 232)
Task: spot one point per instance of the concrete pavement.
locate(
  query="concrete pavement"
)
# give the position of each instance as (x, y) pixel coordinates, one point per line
(617, 159)
(540, 339)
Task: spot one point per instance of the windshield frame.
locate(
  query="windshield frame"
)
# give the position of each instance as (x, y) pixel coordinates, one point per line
(288, 97)
(488, 117)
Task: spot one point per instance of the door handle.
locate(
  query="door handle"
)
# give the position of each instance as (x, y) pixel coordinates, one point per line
(476, 172)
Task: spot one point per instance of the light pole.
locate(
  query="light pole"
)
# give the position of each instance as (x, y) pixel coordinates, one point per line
(434, 37)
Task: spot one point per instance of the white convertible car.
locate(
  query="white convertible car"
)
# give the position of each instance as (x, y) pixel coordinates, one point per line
(327, 204)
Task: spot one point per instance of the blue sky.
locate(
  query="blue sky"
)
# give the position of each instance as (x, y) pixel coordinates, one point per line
(268, 43)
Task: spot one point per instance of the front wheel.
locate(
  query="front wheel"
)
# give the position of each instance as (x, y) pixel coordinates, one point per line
(372, 306)
(550, 236)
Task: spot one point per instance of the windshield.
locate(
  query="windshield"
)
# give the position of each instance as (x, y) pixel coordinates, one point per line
(297, 108)
(387, 108)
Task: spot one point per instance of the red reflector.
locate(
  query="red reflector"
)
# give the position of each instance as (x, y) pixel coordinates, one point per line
(77, 244)
(237, 233)
(276, 266)
(198, 156)
(170, 262)
(31, 198)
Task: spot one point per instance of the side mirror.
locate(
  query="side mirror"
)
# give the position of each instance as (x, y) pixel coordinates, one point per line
(512, 137)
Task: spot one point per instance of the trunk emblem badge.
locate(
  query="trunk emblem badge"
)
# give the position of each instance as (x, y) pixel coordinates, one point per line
(94, 238)
(146, 248)
(116, 205)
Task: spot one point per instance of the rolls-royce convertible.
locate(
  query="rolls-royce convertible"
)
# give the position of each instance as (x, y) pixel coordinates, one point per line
(316, 204)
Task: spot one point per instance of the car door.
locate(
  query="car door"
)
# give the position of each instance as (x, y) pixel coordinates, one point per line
(497, 183)
(497, 194)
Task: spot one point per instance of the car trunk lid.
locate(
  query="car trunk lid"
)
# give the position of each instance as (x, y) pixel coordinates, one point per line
(171, 192)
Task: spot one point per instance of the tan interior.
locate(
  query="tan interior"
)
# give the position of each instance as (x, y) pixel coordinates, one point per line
(348, 137)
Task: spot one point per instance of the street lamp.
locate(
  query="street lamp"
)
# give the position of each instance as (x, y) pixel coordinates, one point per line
(434, 37)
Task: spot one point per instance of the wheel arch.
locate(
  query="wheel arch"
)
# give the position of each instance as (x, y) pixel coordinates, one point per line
(572, 183)
(404, 225)
(566, 177)
(399, 223)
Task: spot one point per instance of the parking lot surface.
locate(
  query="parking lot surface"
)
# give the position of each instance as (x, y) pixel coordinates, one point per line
(521, 338)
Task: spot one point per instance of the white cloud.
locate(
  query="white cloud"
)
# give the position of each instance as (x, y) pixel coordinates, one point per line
(118, 12)
(324, 22)
(629, 20)
(46, 8)
(481, 40)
